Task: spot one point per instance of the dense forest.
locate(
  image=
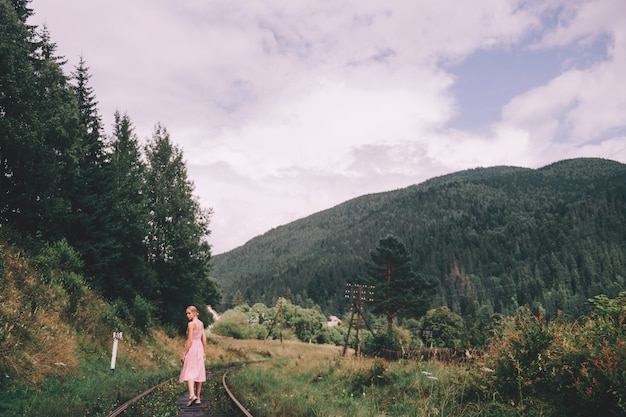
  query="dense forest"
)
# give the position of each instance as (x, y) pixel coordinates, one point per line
(492, 238)
(127, 211)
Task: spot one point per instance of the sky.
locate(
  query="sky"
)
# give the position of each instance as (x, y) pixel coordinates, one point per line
(284, 108)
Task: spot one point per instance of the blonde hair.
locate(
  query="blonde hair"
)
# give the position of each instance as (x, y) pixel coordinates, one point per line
(193, 309)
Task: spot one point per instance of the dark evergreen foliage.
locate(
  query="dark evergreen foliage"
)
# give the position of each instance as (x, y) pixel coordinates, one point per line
(122, 266)
(177, 249)
(395, 286)
(491, 237)
(91, 187)
(38, 121)
(22, 9)
(62, 180)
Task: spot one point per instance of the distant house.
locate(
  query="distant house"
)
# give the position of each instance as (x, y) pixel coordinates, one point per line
(333, 321)
(215, 314)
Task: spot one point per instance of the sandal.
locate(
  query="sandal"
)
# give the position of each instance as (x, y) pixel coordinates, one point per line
(191, 400)
(197, 402)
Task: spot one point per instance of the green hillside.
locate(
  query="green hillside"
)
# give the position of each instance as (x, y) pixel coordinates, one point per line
(498, 237)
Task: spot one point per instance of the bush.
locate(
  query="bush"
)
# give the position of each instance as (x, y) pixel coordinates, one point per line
(595, 377)
(578, 368)
(382, 344)
(233, 324)
(74, 286)
(446, 326)
(141, 311)
(374, 375)
(331, 335)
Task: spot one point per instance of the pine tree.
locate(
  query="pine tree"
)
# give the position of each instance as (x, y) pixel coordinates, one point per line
(124, 270)
(22, 10)
(39, 121)
(91, 197)
(55, 153)
(398, 289)
(178, 251)
(17, 89)
(91, 122)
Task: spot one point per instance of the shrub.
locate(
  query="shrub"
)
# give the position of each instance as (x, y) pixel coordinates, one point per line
(446, 326)
(366, 377)
(595, 367)
(74, 286)
(332, 336)
(382, 344)
(234, 324)
(141, 311)
(579, 368)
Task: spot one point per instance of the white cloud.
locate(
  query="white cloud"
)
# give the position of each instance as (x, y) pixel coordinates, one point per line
(284, 108)
(583, 104)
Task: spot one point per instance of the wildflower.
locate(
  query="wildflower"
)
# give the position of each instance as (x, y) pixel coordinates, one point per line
(485, 369)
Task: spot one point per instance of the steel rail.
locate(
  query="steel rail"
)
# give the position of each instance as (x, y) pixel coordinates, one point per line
(124, 406)
(233, 398)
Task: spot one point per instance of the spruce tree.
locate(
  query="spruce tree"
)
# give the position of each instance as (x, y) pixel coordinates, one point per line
(91, 187)
(398, 289)
(22, 10)
(178, 250)
(39, 121)
(17, 90)
(124, 267)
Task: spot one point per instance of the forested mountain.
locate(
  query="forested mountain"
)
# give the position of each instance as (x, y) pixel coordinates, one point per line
(491, 237)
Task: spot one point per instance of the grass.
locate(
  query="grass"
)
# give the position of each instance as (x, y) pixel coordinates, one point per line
(275, 379)
(90, 388)
(55, 357)
(312, 380)
(55, 350)
(161, 402)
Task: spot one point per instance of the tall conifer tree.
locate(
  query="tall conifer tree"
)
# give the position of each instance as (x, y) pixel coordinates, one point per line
(91, 187)
(17, 90)
(39, 118)
(125, 269)
(398, 289)
(177, 244)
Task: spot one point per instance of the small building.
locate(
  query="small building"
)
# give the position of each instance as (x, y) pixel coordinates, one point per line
(333, 321)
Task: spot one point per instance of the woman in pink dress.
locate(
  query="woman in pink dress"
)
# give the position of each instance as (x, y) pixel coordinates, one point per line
(194, 371)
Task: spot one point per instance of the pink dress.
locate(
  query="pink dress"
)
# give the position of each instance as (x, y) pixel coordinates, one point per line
(193, 367)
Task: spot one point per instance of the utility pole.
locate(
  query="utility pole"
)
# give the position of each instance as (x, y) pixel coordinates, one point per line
(359, 293)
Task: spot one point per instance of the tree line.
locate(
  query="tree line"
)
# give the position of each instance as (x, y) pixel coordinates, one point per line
(493, 239)
(127, 209)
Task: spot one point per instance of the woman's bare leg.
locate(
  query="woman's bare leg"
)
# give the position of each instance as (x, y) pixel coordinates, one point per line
(198, 389)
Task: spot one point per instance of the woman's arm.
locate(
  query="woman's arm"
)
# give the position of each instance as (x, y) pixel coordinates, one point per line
(188, 342)
(203, 341)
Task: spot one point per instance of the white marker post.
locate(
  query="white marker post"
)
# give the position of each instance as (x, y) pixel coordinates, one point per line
(116, 336)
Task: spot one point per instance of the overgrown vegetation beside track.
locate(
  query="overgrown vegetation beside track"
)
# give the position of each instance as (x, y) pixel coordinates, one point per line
(55, 356)
(56, 341)
(534, 367)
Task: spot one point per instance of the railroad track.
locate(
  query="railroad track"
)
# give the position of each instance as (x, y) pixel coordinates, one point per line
(206, 409)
